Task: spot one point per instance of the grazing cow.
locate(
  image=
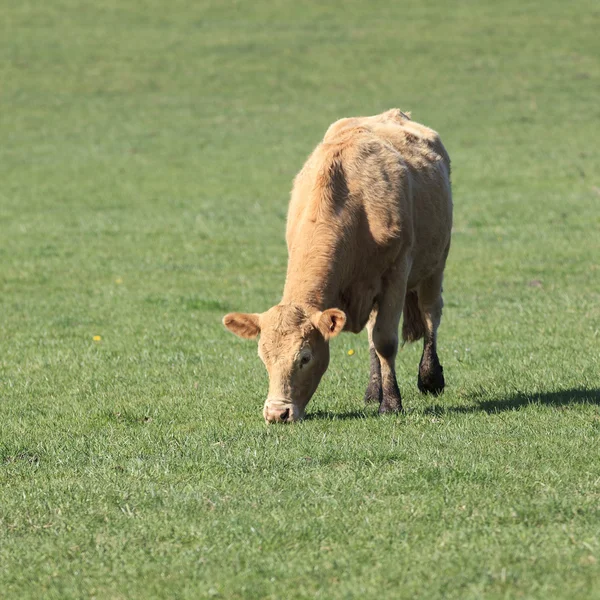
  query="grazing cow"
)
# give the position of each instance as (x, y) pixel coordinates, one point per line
(368, 234)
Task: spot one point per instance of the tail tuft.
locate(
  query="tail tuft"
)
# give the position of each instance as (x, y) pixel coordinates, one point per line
(413, 328)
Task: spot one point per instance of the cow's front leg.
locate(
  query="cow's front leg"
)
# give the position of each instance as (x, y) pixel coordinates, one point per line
(374, 392)
(387, 349)
(385, 337)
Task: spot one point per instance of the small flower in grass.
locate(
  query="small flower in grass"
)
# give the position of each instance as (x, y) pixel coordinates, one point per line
(118, 281)
(350, 352)
(97, 338)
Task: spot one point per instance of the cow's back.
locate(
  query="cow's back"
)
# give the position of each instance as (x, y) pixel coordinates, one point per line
(429, 202)
(375, 188)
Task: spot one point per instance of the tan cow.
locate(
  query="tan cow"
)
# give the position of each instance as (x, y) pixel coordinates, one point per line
(368, 233)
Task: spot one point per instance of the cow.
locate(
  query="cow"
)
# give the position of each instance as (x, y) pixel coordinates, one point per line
(368, 234)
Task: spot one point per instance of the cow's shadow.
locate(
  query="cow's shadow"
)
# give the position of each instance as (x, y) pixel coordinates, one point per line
(560, 398)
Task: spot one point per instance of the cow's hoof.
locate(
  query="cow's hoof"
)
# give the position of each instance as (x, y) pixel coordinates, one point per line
(432, 382)
(390, 407)
(391, 401)
(373, 394)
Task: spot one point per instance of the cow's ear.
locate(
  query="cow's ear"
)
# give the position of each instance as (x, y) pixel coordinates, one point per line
(330, 322)
(244, 325)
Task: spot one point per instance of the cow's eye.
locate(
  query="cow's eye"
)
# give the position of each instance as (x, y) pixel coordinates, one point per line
(304, 360)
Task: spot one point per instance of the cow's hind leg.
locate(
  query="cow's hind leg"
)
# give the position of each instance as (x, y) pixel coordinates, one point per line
(431, 373)
(374, 391)
(385, 335)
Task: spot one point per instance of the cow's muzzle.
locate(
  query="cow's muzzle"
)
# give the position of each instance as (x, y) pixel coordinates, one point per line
(280, 411)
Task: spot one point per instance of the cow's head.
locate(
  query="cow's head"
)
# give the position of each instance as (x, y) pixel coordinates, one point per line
(294, 346)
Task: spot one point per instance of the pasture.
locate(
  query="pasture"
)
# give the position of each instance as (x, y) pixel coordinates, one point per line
(147, 154)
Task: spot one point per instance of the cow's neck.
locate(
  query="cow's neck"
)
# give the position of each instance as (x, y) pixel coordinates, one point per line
(309, 281)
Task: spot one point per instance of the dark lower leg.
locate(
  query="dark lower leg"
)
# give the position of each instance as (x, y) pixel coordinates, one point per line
(431, 373)
(390, 393)
(374, 392)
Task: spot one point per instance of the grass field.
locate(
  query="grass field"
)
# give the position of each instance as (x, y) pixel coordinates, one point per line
(147, 154)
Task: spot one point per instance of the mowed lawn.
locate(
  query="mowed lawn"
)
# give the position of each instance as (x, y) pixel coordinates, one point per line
(146, 157)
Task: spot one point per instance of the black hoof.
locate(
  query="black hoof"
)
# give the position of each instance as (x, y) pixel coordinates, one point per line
(391, 401)
(387, 408)
(373, 394)
(432, 382)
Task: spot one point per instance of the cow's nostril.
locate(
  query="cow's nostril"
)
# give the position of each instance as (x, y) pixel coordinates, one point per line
(285, 414)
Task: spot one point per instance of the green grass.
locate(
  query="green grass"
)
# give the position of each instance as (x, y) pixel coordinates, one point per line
(147, 154)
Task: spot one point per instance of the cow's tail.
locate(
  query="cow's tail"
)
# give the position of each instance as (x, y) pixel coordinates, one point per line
(413, 328)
